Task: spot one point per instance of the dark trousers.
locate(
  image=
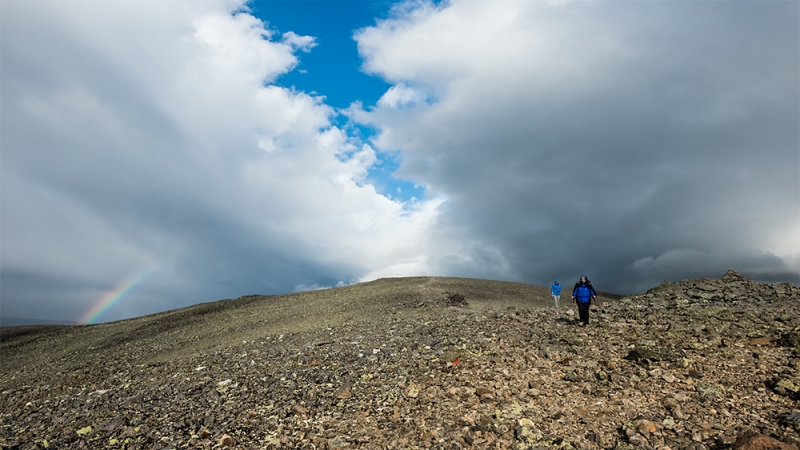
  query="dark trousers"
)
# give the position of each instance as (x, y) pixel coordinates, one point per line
(583, 311)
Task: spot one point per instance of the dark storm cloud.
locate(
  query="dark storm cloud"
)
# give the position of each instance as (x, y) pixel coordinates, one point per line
(631, 141)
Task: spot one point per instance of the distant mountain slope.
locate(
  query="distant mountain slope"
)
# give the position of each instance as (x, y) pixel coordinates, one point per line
(7, 321)
(226, 322)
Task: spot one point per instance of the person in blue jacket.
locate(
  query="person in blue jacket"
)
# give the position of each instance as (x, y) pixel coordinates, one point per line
(555, 291)
(582, 295)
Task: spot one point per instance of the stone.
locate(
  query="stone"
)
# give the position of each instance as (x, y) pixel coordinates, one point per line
(338, 442)
(343, 394)
(226, 441)
(710, 389)
(761, 341)
(484, 392)
(671, 403)
(525, 432)
(652, 354)
(792, 420)
(790, 339)
(789, 385)
(732, 276)
(756, 441)
(645, 427)
(456, 299)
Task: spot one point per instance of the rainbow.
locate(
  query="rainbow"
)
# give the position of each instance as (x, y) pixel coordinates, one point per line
(118, 293)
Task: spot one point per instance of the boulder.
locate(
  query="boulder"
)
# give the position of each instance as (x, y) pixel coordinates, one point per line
(752, 440)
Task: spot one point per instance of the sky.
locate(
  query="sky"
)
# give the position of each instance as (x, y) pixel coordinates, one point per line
(156, 155)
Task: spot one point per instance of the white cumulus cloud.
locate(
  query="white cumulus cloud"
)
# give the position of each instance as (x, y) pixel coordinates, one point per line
(137, 134)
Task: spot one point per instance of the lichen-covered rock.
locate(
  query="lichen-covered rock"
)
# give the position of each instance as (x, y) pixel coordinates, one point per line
(653, 354)
(790, 339)
(790, 385)
(710, 390)
(792, 420)
(456, 299)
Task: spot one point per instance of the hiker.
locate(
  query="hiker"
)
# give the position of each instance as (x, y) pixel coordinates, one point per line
(555, 291)
(582, 295)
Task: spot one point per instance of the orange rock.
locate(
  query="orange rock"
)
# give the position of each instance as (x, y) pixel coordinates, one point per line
(752, 440)
(645, 426)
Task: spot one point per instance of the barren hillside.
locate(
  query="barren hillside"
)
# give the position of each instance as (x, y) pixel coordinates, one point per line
(418, 362)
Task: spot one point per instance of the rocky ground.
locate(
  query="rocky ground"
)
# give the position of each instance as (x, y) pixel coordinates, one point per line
(689, 365)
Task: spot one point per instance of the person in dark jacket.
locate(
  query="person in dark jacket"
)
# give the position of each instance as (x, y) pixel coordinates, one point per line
(582, 295)
(555, 291)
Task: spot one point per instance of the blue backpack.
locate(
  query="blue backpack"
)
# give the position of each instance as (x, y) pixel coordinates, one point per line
(583, 294)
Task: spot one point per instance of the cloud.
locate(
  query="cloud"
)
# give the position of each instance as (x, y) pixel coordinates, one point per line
(621, 140)
(675, 265)
(140, 135)
(400, 96)
(303, 43)
(630, 141)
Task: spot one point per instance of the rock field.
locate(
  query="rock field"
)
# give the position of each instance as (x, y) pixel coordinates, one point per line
(699, 364)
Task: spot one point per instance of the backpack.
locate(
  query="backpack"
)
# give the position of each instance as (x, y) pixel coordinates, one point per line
(583, 293)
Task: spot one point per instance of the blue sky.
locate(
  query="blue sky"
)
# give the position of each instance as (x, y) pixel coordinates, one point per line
(161, 154)
(333, 69)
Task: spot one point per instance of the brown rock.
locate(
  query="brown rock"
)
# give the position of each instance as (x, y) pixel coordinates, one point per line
(638, 440)
(344, 394)
(338, 442)
(645, 427)
(226, 441)
(431, 435)
(762, 341)
(484, 392)
(752, 440)
(652, 354)
(732, 276)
